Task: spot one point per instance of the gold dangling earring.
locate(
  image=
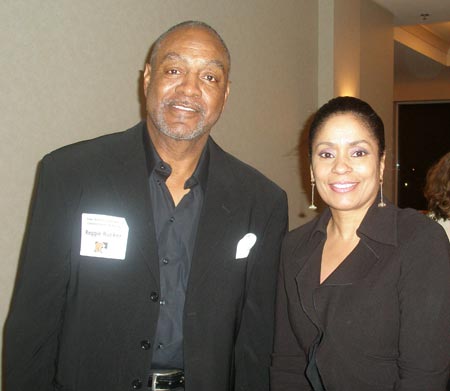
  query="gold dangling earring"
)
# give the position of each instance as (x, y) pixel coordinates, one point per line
(312, 206)
(381, 204)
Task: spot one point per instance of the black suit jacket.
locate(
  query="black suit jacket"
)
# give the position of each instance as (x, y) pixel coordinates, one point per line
(77, 322)
(384, 313)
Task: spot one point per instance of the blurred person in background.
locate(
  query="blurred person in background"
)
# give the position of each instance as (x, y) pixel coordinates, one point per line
(437, 192)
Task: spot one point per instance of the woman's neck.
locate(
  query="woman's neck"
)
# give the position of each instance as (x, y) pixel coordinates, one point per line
(343, 224)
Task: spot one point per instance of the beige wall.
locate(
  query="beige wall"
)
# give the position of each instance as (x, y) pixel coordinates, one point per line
(347, 47)
(377, 77)
(419, 89)
(363, 62)
(70, 70)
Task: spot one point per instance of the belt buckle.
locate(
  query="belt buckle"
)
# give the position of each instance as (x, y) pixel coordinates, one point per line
(155, 374)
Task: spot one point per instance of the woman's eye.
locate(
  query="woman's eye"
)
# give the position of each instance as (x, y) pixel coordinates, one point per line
(173, 71)
(359, 153)
(326, 155)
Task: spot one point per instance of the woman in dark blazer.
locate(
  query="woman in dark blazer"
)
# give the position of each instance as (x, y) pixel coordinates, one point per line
(364, 298)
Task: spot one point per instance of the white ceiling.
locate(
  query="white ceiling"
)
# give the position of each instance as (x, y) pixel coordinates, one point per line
(428, 24)
(409, 11)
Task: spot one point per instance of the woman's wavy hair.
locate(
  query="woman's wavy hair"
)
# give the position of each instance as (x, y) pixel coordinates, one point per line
(437, 188)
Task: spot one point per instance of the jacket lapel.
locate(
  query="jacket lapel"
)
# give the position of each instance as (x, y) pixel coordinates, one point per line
(130, 181)
(306, 270)
(375, 245)
(354, 268)
(222, 201)
(371, 248)
(377, 234)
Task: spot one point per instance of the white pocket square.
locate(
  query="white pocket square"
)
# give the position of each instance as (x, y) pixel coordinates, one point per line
(245, 245)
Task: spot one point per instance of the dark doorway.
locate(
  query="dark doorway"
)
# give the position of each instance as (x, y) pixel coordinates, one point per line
(423, 138)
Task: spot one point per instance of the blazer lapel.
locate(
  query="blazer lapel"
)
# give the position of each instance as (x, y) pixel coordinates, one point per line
(222, 200)
(307, 273)
(130, 180)
(355, 267)
(375, 243)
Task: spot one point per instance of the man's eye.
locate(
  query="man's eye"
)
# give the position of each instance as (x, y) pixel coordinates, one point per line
(210, 78)
(173, 71)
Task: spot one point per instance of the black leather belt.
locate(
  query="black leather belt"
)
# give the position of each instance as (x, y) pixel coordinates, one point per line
(166, 379)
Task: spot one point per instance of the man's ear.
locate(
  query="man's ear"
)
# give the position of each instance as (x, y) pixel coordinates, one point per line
(227, 92)
(147, 76)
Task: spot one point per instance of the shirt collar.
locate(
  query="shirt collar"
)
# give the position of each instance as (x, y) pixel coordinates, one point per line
(155, 163)
(379, 224)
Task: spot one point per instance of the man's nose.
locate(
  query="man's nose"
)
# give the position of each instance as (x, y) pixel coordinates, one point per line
(189, 86)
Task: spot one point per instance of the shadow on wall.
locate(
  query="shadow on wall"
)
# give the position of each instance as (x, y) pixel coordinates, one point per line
(22, 249)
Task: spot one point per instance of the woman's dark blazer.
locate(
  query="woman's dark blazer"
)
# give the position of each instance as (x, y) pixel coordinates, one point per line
(382, 317)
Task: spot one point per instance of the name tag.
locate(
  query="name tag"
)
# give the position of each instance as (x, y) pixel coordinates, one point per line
(103, 236)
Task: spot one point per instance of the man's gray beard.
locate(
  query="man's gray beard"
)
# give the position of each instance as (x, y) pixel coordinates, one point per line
(165, 129)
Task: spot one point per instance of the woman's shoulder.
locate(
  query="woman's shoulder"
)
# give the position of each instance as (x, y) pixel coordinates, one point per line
(421, 241)
(411, 222)
(302, 233)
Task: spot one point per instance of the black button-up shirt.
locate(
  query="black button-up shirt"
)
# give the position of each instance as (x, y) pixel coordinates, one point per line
(176, 230)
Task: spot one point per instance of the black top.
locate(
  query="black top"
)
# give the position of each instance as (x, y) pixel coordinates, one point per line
(176, 229)
(380, 321)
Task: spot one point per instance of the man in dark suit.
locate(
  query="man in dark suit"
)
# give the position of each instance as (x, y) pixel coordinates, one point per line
(151, 256)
